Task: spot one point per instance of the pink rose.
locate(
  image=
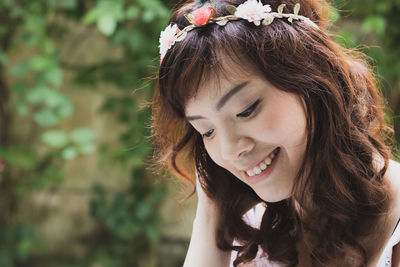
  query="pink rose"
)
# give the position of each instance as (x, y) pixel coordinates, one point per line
(202, 15)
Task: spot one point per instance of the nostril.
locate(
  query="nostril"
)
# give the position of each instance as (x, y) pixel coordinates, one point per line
(242, 153)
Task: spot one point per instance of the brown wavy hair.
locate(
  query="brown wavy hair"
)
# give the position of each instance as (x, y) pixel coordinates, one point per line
(339, 188)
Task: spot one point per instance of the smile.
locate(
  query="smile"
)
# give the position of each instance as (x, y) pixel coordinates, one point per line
(263, 168)
(263, 165)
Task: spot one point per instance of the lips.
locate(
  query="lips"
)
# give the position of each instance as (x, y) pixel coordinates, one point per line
(261, 165)
(256, 175)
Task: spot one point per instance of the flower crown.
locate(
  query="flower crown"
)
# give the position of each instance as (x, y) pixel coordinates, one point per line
(251, 10)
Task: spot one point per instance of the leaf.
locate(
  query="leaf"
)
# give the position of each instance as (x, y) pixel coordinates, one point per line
(181, 36)
(296, 8)
(82, 135)
(64, 107)
(290, 19)
(87, 149)
(54, 76)
(222, 22)
(107, 24)
(268, 20)
(374, 23)
(231, 9)
(40, 63)
(153, 232)
(90, 17)
(189, 18)
(24, 247)
(54, 138)
(334, 15)
(280, 8)
(21, 68)
(148, 15)
(20, 88)
(46, 117)
(132, 12)
(69, 153)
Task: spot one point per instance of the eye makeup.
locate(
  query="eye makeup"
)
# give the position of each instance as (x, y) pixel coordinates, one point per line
(245, 114)
(249, 111)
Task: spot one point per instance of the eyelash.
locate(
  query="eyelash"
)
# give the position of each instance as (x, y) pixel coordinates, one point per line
(249, 111)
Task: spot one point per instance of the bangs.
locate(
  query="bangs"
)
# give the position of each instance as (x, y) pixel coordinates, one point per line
(203, 58)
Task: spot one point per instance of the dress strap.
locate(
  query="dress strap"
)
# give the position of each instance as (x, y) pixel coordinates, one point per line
(386, 257)
(397, 224)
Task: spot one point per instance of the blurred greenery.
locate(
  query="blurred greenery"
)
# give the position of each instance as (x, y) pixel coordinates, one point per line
(377, 34)
(34, 104)
(36, 144)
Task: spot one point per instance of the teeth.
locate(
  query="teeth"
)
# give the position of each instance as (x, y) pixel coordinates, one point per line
(263, 165)
(250, 173)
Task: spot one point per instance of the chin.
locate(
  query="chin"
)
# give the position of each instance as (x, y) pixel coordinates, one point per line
(273, 196)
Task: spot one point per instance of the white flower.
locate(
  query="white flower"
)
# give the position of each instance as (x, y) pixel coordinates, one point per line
(253, 10)
(167, 38)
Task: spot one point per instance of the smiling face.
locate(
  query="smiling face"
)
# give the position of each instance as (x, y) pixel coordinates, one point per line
(253, 130)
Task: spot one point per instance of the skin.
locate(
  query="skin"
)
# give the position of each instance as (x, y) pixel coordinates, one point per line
(236, 143)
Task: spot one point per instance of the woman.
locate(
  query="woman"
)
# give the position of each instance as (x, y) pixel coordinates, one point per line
(256, 100)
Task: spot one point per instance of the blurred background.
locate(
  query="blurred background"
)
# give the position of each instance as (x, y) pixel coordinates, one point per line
(75, 76)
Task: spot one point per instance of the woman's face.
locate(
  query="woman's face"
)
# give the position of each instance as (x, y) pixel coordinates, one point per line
(253, 130)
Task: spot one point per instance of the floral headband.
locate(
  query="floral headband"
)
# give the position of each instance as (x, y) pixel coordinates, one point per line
(251, 10)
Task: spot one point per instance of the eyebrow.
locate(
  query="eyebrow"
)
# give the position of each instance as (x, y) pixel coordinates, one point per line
(223, 100)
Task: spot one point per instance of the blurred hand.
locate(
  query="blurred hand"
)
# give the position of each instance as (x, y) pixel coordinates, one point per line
(203, 200)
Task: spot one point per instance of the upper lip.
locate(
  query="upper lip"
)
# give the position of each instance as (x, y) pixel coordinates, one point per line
(255, 164)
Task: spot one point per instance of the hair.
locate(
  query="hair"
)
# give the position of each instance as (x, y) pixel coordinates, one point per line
(340, 187)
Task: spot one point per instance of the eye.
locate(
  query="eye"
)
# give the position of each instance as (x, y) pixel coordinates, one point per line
(249, 110)
(207, 134)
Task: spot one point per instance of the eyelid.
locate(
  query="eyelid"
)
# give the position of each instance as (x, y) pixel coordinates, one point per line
(204, 134)
(252, 107)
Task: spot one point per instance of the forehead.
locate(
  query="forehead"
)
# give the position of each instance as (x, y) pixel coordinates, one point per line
(215, 93)
(224, 71)
(220, 76)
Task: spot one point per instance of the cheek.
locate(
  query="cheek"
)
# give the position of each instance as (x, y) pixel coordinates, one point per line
(213, 151)
(283, 123)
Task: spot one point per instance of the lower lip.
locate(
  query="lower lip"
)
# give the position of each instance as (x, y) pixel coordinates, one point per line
(263, 175)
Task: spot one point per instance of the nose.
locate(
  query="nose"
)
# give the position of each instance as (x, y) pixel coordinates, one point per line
(234, 145)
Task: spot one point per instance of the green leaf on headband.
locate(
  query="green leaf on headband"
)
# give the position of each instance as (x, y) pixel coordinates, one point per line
(222, 22)
(189, 17)
(280, 8)
(231, 9)
(268, 20)
(296, 8)
(181, 36)
(290, 19)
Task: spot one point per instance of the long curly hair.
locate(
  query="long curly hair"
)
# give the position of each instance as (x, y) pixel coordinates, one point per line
(340, 186)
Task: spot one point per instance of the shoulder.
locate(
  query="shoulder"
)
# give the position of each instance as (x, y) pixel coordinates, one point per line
(393, 176)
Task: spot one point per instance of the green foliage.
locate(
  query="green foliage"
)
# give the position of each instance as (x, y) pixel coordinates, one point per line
(36, 99)
(34, 146)
(127, 222)
(17, 244)
(379, 20)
